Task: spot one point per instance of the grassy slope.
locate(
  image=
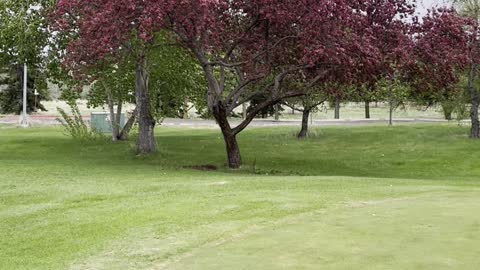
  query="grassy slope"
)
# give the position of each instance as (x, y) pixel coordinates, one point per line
(416, 151)
(94, 205)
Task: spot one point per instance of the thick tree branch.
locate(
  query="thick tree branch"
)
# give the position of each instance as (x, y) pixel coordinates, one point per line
(263, 52)
(303, 109)
(234, 45)
(276, 98)
(232, 99)
(260, 107)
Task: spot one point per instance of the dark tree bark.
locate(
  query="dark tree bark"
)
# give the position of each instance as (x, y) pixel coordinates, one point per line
(448, 115)
(146, 122)
(475, 102)
(277, 112)
(367, 109)
(128, 126)
(233, 151)
(221, 104)
(447, 112)
(337, 108)
(220, 112)
(305, 117)
(229, 136)
(475, 131)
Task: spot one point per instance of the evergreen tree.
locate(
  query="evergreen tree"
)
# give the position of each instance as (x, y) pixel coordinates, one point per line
(11, 96)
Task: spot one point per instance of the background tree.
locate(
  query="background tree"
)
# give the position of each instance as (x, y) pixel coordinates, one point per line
(261, 40)
(471, 10)
(115, 87)
(442, 54)
(177, 82)
(338, 93)
(11, 98)
(395, 92)
(23, 39)
(105, 32)
(307, 105)
(392, 38)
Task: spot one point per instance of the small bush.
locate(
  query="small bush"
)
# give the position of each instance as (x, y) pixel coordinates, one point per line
(74, 125)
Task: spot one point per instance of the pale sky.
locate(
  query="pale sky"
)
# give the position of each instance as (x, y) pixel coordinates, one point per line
(423, 5)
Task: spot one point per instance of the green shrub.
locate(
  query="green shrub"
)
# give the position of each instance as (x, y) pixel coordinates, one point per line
(74, 125)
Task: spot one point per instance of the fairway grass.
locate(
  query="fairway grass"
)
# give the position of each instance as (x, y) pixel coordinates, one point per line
(438, 231)
(348, 198)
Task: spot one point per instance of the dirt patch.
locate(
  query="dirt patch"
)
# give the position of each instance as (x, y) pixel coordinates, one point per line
(203, 167)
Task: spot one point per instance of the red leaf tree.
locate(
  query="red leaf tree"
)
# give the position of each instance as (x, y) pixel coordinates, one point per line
(442, 52)
(263, 43)
(390, 23)
(99, 32)
(258, 44)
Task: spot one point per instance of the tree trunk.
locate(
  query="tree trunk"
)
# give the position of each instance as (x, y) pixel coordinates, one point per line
(229, 136)
(118, 118)
(475, 131)
(146, 122)
(390, 118)
(111, 110)
(448, 115)
(128, 126)
(277, 112)
(367, 109)
(233, 151)
(337, 108)
(447, 109)
(185, 108)
(304, 131)
(244, 111)
(219, 112)
(475, 100)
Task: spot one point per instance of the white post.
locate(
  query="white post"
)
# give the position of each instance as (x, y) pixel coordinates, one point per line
(24, 117)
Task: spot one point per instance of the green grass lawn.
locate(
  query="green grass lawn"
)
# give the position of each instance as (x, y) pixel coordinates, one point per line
(406, 197)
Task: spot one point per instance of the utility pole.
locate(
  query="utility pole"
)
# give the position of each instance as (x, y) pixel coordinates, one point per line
(24, 117)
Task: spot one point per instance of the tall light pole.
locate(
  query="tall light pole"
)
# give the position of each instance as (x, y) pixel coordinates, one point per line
(24, 116)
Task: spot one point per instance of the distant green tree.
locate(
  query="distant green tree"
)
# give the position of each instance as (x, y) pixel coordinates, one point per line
(307, 104)
(395, 93)
(11, 98)
(175, 82)
(114, 87)
(23, 39)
